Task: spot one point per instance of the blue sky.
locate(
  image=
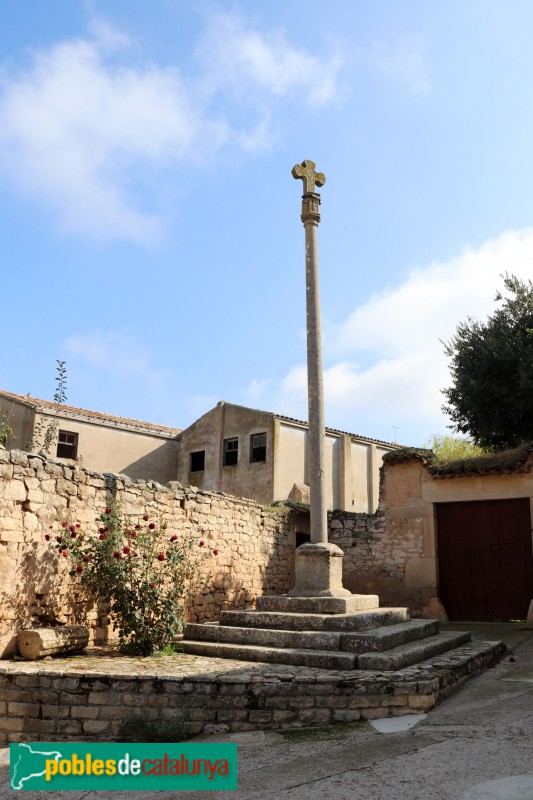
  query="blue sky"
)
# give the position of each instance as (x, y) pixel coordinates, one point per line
(150, 233)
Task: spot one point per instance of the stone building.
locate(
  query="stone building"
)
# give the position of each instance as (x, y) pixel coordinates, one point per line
(460, 531)
(263, 455)
(98, 441)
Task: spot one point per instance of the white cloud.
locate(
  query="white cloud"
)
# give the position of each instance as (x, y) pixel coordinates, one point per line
(86, 128)
(75, 131)
(385, 364)
(239, 56)
(401, 61)
(118, 354)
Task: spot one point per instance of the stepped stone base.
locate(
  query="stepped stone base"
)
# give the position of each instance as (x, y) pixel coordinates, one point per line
(336, 633)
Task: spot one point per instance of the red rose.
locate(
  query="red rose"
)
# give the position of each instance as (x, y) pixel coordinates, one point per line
(65, 554)
(108, 511)
(161, 557)
(101, 530)
(64, 524)
(106, 528)
(47, 537)
(72, 528)
(117, 554)
(152, 586)
(78, 525)
(215, 552)
(202, 543)
(151, 526)
(59, 539)
(126, 550)
(51, 526)
(146, 517)
(137, 527)
(173, 538)
(102, 537)
(73, 535)
(86, 559)
(79, 568)
(133, 533)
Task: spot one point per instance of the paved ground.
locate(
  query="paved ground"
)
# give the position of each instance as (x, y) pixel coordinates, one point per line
(477, 745)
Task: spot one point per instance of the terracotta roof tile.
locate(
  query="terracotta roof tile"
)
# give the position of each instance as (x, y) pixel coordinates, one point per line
(45, 405)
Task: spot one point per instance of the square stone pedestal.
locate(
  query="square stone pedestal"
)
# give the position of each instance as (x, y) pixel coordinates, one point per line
(318, 586)
(318, 571)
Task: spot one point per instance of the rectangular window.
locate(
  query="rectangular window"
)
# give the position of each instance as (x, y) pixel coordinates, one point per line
(197, 461)
(258, 447)
(231, 452)
(67, 445)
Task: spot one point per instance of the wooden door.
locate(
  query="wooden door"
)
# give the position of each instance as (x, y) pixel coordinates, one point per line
(485, 559)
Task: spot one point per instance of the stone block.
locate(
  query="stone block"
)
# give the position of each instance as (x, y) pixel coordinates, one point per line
(421, 702)
(11, 724)
(23, 709)
(346, 715)
(55, 712)
(314, 716)
(84, 712)
(16, 491)
(41, 726)
(420, 573)
(95, 726)
(374, 713)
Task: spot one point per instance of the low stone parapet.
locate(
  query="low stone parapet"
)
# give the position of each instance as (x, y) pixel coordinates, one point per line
(85, 700)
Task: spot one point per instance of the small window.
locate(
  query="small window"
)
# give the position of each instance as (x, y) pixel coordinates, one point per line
(231, 452)
(258, 447)
(197, 461)
(67, 445)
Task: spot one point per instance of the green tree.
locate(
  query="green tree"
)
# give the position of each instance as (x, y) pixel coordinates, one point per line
(491, 399)
(451, 448)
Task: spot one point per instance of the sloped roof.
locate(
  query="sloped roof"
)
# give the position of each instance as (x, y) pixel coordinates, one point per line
(91, 416)
(305, 424)
(519, 459)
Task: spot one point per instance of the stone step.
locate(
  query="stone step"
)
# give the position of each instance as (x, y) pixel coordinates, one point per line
(321, 659)
(264, 637)
(389, 636)
(407, 654)
(346, 604)
(315, 622)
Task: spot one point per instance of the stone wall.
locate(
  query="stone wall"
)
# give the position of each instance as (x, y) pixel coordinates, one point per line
(376, 551)
(254, 544)
(40, 703)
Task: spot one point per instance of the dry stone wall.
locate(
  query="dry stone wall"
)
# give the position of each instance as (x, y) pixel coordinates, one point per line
(254, 544)
(377, 549)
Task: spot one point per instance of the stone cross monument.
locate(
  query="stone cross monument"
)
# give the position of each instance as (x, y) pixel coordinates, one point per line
(318, 564)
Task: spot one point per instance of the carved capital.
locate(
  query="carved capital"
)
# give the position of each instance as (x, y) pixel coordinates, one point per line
(310, 208)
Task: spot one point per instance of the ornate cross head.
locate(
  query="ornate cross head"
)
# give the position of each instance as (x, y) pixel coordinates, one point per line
(307, 172)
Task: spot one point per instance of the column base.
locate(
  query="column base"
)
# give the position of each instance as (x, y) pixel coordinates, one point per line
(318, 571)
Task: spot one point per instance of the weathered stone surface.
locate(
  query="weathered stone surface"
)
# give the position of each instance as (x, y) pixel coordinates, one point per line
(318, 571)
(390, 636)
(323, 659)
(318, 605)
(263, 637)
(412, 653)
(40, 642)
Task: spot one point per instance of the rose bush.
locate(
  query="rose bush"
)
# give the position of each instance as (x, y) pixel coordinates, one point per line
(145, 575)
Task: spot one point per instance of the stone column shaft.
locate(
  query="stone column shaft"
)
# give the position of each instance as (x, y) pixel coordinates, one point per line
(315, 381)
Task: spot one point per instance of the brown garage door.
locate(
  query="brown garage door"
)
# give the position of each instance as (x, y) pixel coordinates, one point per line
(485, 559)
